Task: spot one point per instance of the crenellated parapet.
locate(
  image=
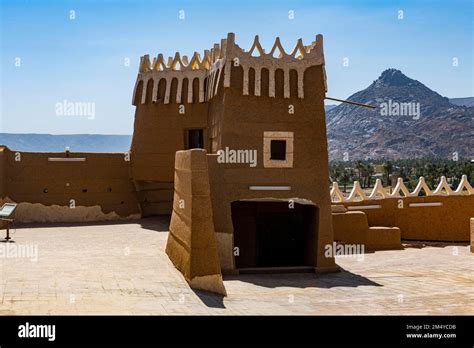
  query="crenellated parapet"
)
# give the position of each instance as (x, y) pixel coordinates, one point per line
(256, 59)
(180, 68)
(400, 190)
(197, 79)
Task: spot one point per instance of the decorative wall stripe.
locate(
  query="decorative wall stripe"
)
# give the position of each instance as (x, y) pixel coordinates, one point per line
(246, 81)
(179, 90)
(168, 90)
(286, 83)
(145, 83)
(300, 83)
(257, 82)
(271, 83)
(358, 207)
(428, 204)
(154, 96)
(190, 90)
(270, 188)
(66, 159)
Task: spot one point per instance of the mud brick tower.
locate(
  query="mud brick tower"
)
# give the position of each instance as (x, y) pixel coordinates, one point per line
(232, 215)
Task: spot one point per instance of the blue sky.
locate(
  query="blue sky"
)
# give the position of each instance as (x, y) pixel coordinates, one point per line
(83, 59)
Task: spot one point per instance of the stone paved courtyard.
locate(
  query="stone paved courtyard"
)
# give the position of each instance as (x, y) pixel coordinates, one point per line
(121, 268)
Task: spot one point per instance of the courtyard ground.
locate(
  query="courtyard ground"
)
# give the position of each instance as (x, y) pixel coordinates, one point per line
(121, 268)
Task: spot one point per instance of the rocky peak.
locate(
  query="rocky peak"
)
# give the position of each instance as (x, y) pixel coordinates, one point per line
(393, 78)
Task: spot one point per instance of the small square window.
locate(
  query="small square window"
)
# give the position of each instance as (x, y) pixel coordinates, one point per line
(278, 150)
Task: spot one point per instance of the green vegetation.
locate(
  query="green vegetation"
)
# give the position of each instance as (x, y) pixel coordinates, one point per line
(346, 172)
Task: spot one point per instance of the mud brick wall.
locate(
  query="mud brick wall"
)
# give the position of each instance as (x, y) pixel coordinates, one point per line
(159, 131)
(447, 222)
(102, 179)
(244, 120)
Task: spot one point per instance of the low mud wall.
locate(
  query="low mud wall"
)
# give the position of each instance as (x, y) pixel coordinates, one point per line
(432, 218)
(63, 186)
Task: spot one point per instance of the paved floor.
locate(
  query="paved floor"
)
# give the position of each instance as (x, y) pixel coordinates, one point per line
(122, 269)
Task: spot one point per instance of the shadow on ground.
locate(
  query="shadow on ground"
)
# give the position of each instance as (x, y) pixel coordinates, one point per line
(210, 299)
(159, 223)
(419, 244)
(305, 280)
(296, 280)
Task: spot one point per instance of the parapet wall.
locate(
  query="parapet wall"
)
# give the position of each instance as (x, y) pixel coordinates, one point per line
(67, 185)
(180, 80)
(440, 215)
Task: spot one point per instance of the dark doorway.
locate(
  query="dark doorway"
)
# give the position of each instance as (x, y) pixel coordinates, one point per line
(271, 234)
(195, 139)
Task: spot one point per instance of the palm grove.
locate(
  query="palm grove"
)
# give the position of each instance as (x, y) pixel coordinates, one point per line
(410, 170)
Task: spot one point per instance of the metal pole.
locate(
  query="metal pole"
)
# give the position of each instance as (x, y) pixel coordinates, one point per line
(7, 238)
(351, 102)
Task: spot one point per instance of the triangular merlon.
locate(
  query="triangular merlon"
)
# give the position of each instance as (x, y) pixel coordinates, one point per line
(277, 45)
(421, 186)
(400, 187)
(378, 189)
(144, 63)
(443, 184)
(299, 48)
(464, 184)
(336, 193)
(195, 61)
(256, 45)
(159, 63)
(356, 191)
(177, 60)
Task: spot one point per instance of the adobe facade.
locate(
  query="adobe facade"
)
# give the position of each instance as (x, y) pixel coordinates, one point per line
(238, 101)
(233, 145)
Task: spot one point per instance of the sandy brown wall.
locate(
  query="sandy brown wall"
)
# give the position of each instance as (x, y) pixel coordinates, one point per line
(191, 244)
(244, 121)
(160, 131)
(102, 179)
(448, 222)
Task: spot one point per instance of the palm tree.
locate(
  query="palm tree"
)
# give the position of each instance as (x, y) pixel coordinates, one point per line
(345, 178)
(335, 173)
(359, 166)
(388, 167)
(370, 171)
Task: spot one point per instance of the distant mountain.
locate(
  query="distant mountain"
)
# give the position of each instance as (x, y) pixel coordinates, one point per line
(329, 107)
(75, 142)
(410, 121)
(469, 101)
